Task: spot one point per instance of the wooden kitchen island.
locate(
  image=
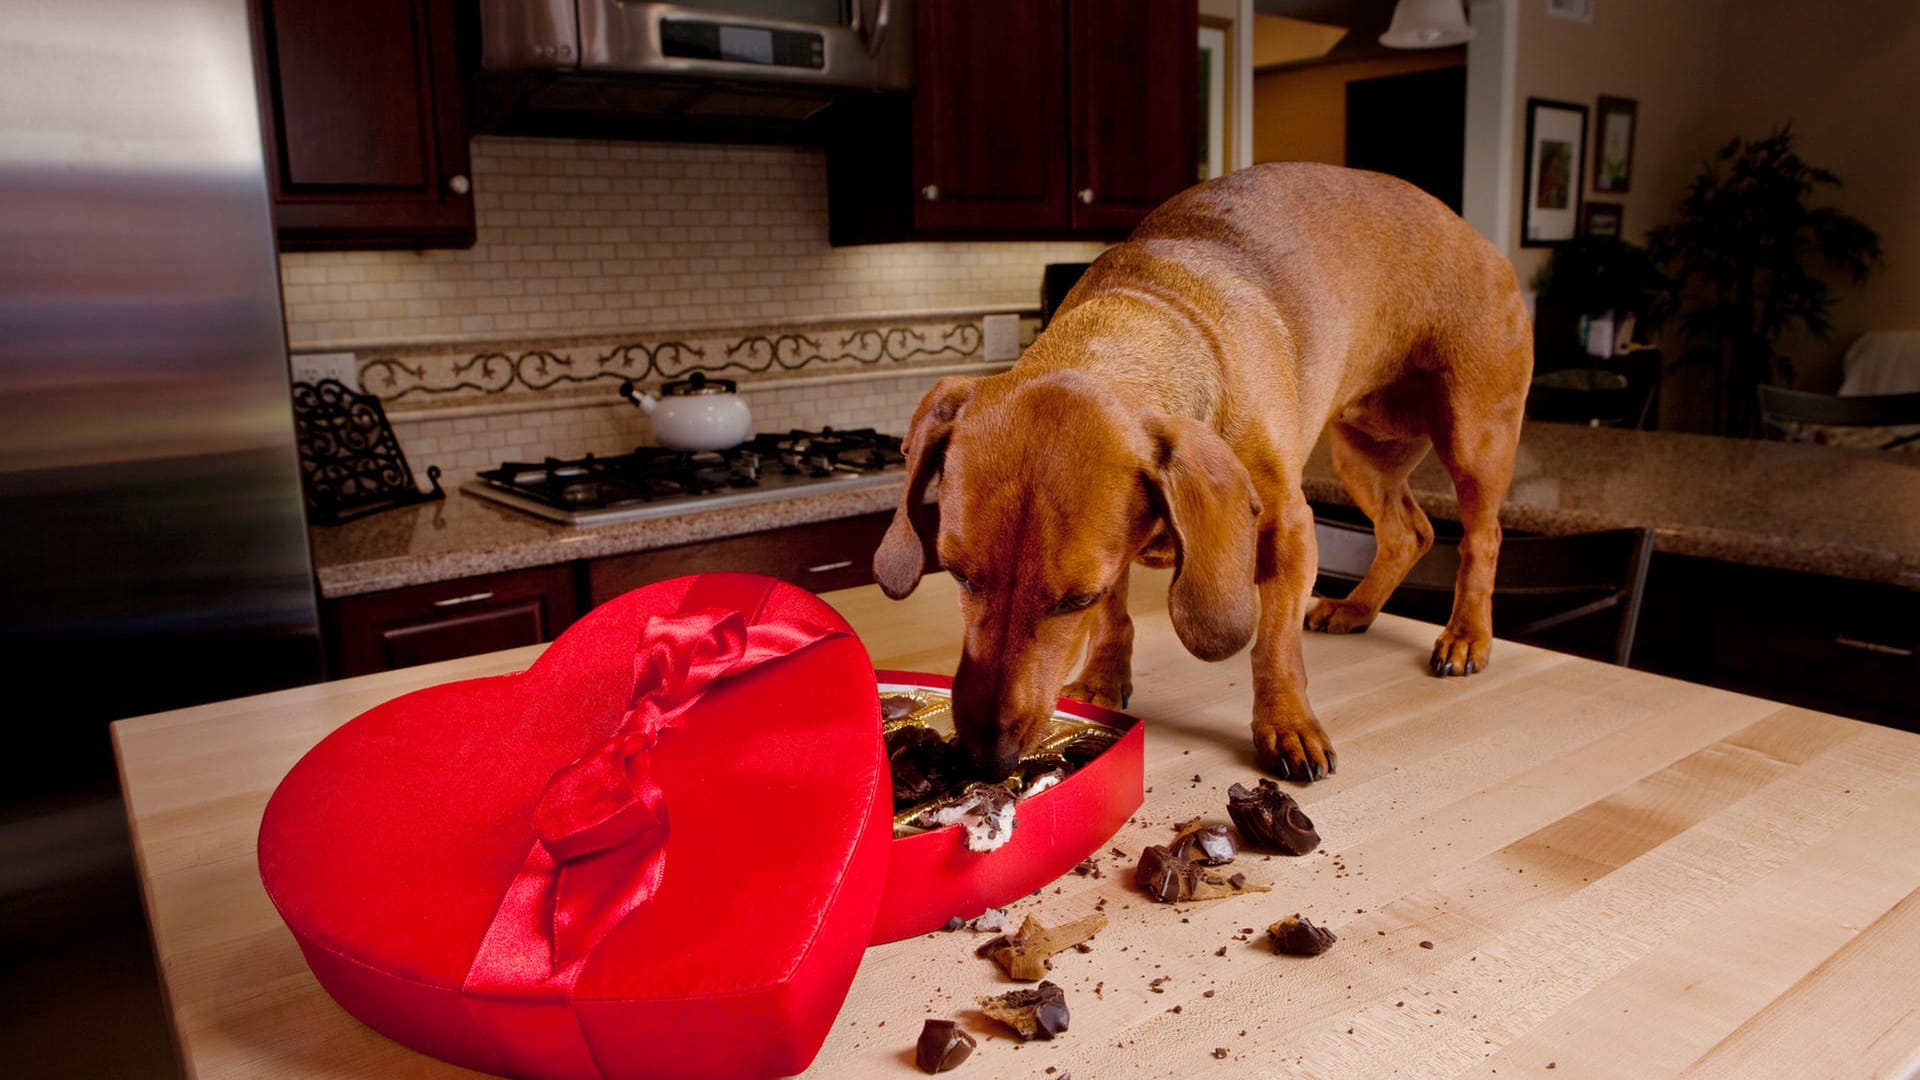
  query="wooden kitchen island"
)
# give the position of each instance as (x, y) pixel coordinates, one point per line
(1553, 865)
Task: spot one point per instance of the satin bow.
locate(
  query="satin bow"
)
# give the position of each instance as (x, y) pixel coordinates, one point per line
(603, 818)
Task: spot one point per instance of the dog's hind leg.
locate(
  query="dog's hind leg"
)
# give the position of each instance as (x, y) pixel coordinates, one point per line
(1107, 676)
(1375, 474)
(1476, 441)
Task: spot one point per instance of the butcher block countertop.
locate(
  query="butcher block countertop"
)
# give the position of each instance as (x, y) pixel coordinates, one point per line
(1555, 868)
(1814, 509)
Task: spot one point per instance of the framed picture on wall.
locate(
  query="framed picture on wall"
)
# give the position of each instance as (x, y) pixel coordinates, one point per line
(1601, 219)
(1613, 144)
(1556, 147)
(1216, 97)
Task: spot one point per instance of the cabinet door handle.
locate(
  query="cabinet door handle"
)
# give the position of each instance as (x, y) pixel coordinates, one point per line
(1086, 196)
(1846, 642)
(931, 193)
(470, 598)
(459, 185)
(828, 567)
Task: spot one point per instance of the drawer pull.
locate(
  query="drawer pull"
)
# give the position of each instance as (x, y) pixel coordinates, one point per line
(828, 567)
(470, 598)
(1846, 642)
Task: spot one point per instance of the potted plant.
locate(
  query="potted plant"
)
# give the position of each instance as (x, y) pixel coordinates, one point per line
(1743, 256)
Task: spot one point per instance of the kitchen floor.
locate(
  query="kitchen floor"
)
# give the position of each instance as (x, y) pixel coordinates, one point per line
(79, 994)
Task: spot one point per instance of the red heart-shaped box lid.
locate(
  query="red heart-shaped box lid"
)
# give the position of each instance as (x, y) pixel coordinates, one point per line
(402, 852)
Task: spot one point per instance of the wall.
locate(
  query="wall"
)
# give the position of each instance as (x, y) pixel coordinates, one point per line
(1300, 114)
(598, 262)
(1844, 75)
(1663, 55)
(609, 237)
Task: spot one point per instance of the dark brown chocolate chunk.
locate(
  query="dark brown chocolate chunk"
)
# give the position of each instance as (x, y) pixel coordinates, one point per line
(1426, 944)
(943, 1046)
(1038, 1012)
(897, 706)
(1220, 1051)
(1168, 878)
(1269, 817)
(1209, 845)
(918, 757)
(955, 923)
(1296, 935)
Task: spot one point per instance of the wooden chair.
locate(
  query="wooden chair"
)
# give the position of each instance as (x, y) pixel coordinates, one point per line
(1543, 583)
(1780, 407)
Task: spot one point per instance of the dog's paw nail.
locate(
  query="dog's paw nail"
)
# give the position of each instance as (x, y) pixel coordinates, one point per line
(1471, 667)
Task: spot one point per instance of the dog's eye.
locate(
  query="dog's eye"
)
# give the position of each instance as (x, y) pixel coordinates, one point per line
(1075, 602)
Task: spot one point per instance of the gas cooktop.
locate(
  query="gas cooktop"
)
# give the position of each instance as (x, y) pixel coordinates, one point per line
(653, 482)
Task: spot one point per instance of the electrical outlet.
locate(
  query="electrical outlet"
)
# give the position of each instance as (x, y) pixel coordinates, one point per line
(1001, 337)
(312, 367)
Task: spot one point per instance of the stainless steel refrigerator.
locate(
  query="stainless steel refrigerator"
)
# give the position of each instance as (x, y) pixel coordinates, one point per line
(151, 531)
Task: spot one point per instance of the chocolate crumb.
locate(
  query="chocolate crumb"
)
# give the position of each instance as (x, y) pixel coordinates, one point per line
(955, 923)
(1221, 951)
(1426, 944)
(1220, 1051)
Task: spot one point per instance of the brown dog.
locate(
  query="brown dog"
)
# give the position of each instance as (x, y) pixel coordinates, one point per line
(1164, 417)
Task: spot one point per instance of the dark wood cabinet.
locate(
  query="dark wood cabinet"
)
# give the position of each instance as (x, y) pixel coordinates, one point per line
(420, 625)
(363, 122)
(821, 557)
(1133, 81)
(1029, 118)
(425, 623)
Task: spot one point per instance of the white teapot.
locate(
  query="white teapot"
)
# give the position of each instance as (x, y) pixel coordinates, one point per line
(696, 413)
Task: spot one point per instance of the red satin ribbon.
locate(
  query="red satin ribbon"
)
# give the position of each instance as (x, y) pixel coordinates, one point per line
(601, 824)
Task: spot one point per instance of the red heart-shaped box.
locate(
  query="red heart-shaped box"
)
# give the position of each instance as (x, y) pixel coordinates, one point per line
(395, 848)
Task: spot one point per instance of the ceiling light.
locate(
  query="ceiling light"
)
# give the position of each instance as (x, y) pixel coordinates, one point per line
(1427, 24)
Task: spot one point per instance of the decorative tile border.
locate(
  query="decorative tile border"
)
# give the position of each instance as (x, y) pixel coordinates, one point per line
(420, 379)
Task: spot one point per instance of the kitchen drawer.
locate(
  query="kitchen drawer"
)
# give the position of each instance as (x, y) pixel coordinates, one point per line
(464, 617)
(821, 557)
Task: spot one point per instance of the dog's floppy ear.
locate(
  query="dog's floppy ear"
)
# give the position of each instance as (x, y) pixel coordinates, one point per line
(898, 561)
(1212, 512)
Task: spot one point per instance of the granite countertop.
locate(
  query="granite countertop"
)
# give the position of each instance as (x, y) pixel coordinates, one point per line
(1815, 509)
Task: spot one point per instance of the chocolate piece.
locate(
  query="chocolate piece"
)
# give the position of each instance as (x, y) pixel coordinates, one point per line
(1268, 817)
(897, 706)
(1220, 1051)
(918, 758)
(1168, 878)
(1038, 1012)
(987, 811)
(1025, 956)
(1296, 935)
(955, 923)
(942, 1046)
(1208, 845)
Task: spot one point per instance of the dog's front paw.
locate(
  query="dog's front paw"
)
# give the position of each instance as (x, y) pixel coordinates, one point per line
(1460, 651)
(1107, 693)
(1339, 617)
(1296, 751)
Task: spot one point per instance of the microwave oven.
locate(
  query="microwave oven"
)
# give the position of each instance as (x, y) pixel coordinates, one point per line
(847, 44)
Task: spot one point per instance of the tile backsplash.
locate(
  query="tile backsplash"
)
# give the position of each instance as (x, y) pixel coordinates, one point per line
(581, 237)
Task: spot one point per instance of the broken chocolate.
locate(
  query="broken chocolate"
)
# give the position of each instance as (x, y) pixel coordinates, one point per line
(1168, 878)
(942, 1046)
(1208, 845)
(987, 811)
(918, 758)
(1025, 955)
(1038, 1012)
(1269, 817)
(1296, 935)
(897, 706)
